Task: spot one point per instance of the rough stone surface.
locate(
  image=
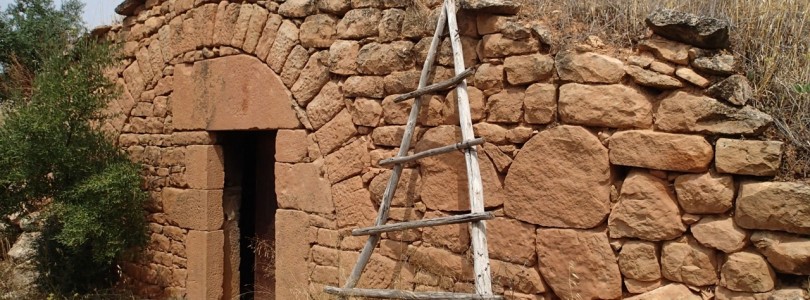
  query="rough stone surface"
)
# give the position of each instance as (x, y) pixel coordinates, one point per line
(653, 79)
(408, 187)
(359, 23)
(539, 194)
(671, 291)
(366, 112)
(637, 287)
(205, 264)
(343, 57)
(506, 7)
(512, 241)
(528, 68)
(497, 45)
(588, 67)
(721, 64)
(444, 182)
(692, 77)
(705, 193)
(517, 277)
(647, 210)
(667, 50)
(703, 32)
(720, 232)
(313, 77)
(381, 59)
(353, 205)
(336, 132)
(684, 112)
(592, 266)
(540, 103)
(661, 151)
(291, 276)
(615, 105)
(787, 253)
(318, 31)
(781, 206)
(758, 158)
(747, 272)
(735, 89)
(303, 187)
(639, 260)
(347, 161)
(506, 106)
(489, 78)
(364, 86)
(325, 106)
(194, 209)
(687, 261)
(291, 146)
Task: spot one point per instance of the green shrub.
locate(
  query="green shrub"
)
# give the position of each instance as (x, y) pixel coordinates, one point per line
(54, 157)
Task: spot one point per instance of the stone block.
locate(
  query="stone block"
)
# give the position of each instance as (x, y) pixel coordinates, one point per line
(194, 209)
(660, 151)
(206, 264)
(205, 167)
(758, 158)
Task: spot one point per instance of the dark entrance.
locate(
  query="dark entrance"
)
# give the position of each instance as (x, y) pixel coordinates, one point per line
(250, 209)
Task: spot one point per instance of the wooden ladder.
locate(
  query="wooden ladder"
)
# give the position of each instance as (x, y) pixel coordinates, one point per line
(477, 215)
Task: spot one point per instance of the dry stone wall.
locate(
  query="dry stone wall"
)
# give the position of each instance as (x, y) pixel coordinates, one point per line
(611, 172)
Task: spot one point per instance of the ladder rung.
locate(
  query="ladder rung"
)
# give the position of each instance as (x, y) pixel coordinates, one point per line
(472, 217)
(435, 87)
(400, 294)
(431, 152)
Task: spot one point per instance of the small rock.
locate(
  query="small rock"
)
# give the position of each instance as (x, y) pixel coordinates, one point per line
(540, 103)
(644, 60)
(671, 291)
(758, 158)
(721, 233)
(787, 253)
(703, 32)
(721, 64)
(639, 260)
(667, 50)
(503, 7)
(662, 67)
(543, 34)
(642, 196)
(685, 260)
(684, 112)
(692, 77)
(747, 272)
(706, 193)
(735, 89)
(637, 287)
(781, 206)
(24, 249)
(588, 67)
(690, 219)
(653, 79)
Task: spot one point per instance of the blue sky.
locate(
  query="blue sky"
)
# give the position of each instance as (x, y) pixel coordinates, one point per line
(96, 12)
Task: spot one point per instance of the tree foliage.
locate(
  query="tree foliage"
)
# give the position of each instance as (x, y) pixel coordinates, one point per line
(54, 157)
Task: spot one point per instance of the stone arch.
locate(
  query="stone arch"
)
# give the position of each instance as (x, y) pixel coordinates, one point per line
(236, 92)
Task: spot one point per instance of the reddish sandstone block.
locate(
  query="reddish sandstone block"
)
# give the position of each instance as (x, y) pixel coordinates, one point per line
(205, 167)
(205, 264)
(194, 209)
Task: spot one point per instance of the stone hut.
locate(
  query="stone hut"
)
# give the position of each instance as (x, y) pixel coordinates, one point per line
(612, 173)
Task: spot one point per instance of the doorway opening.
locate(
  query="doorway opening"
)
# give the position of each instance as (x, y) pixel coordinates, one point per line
(250, 206)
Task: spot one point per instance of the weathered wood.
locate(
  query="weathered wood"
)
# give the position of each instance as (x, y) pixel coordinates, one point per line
(390, 189)
(432, 152)
(436, 87)
(478, 236)
(466, 218)
(398, 294)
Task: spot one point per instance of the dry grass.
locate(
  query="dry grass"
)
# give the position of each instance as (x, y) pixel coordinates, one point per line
(771, 39)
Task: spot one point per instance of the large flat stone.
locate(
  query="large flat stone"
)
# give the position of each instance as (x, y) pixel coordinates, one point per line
(230, 93)
(687, 113)
(588, 67)
(580, 256)
(758, 158)
(303, 187)
(660, 151)
(616, 106)
(560, 178)
(703, 32)
(787, 253)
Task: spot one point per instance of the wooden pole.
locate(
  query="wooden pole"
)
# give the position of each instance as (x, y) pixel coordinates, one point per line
(382, 214)
(478, 236)
(398, 294)
(436, 87)
(466, 218)
(431, 152)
